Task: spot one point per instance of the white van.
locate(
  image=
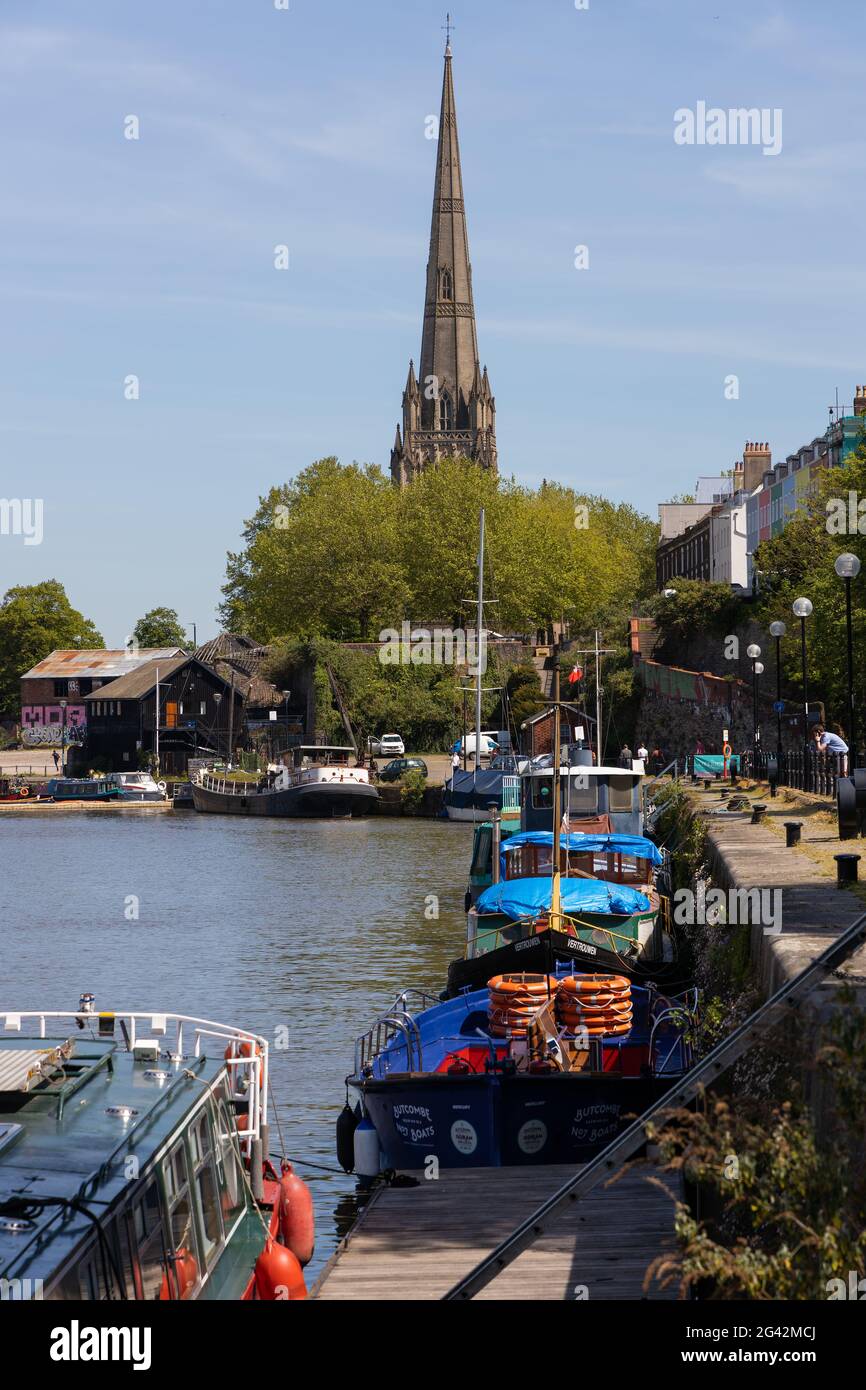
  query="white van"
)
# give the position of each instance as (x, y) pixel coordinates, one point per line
(489, 745)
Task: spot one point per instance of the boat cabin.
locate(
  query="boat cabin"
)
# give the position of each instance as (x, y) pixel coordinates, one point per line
(321, 755)
(121, 1173)
(595, 799)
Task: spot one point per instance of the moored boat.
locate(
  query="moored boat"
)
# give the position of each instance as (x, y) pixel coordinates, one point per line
(321, 783)
(613, 916)
(83, 789)
(550, 1078)
(133, 1162)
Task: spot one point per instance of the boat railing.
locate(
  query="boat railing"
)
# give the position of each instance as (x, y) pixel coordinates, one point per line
(379, 1037)
(248, 1059)
(510, 792)
(227, 785)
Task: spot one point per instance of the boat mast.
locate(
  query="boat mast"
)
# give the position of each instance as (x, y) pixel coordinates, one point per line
(555, 923)
(156, 723)
(479, 623)
(597, 701)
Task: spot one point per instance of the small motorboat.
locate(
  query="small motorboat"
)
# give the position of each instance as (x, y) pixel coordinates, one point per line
(535, 1068)
(133, 1162)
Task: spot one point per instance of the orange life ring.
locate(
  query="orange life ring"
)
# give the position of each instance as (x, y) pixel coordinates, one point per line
(522, 984)
(727, 750)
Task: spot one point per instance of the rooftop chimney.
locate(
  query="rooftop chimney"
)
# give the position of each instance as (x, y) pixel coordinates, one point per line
(860, 400)
(757, 460)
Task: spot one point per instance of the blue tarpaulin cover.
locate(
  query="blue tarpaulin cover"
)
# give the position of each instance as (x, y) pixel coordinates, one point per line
(526, 897)
(635, 845)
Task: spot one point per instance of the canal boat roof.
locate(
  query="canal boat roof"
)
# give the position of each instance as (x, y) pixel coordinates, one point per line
(76, 1110)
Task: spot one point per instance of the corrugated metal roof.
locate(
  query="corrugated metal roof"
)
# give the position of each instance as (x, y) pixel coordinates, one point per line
(101, 663)
(139, 682)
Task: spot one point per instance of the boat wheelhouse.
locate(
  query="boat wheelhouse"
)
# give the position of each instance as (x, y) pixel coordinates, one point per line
(133, 1159)
(455, 1082)
(591, 798)
(322, 782)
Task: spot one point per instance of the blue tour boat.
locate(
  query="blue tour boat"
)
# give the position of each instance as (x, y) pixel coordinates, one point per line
(455, 1083)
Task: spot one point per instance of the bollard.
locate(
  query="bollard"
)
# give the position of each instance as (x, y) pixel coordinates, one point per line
(846, 868)
(724, 795)
(758, 812)
(792, 832)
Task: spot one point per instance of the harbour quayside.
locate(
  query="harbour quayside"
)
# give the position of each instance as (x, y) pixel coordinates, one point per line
(321, 783)
(134, 1162)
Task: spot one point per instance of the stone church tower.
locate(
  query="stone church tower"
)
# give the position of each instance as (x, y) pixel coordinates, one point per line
(448, 409)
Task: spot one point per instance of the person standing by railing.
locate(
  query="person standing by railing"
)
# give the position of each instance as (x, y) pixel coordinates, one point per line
(832, 743)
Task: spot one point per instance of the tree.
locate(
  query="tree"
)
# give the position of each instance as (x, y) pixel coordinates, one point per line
(339, 552)
(34, 620)
(159, 628)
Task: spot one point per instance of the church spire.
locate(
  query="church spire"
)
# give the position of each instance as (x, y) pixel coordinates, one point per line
(448, 369)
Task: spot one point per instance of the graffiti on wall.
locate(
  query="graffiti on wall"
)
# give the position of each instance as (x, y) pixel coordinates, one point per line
(40, 735)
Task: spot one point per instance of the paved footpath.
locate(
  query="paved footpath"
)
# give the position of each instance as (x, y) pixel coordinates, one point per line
(814, 910)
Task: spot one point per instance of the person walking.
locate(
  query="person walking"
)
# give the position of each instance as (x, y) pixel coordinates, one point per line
(625, 757)
(642, 752)
(56, 756)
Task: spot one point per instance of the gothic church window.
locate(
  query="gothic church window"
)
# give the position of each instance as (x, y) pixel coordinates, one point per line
(447, 286)
(446, 412)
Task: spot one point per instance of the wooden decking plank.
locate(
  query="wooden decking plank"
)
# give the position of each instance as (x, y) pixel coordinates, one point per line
(416, 1242)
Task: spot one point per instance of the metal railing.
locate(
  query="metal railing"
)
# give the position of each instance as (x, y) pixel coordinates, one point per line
(397, 1021)
(813, 772)
(249, 1050)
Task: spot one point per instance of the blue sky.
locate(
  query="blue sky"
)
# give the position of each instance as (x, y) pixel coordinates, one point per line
(306, 127)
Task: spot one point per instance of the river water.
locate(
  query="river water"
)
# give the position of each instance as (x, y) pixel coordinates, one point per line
(272, 925)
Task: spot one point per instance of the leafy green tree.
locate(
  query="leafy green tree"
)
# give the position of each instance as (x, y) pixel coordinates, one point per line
(159, 628)
(34, 620)
(338, 551)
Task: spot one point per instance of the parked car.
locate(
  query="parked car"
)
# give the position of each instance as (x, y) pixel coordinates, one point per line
(396, 768)
(489, 746)
(390, 746)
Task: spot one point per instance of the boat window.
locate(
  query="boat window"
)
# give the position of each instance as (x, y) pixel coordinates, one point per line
(620, 793)
(183, 1252)
(148, 1234)
(542, 792)
(481, 857)
(206, 1184)
(228, 1164)
(582, 793)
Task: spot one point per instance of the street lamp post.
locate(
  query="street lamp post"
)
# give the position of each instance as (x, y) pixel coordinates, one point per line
(847, 567)
(218, 699)
(286, 694)
(778, 631)
(753, 652)
(63, 704)
(802, 608)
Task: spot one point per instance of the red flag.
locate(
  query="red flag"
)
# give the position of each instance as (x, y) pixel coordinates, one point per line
(575, 675)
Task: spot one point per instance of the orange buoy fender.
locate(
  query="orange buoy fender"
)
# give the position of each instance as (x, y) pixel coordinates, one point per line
(185, 1268)
(278, 1275)
(297, 1222)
